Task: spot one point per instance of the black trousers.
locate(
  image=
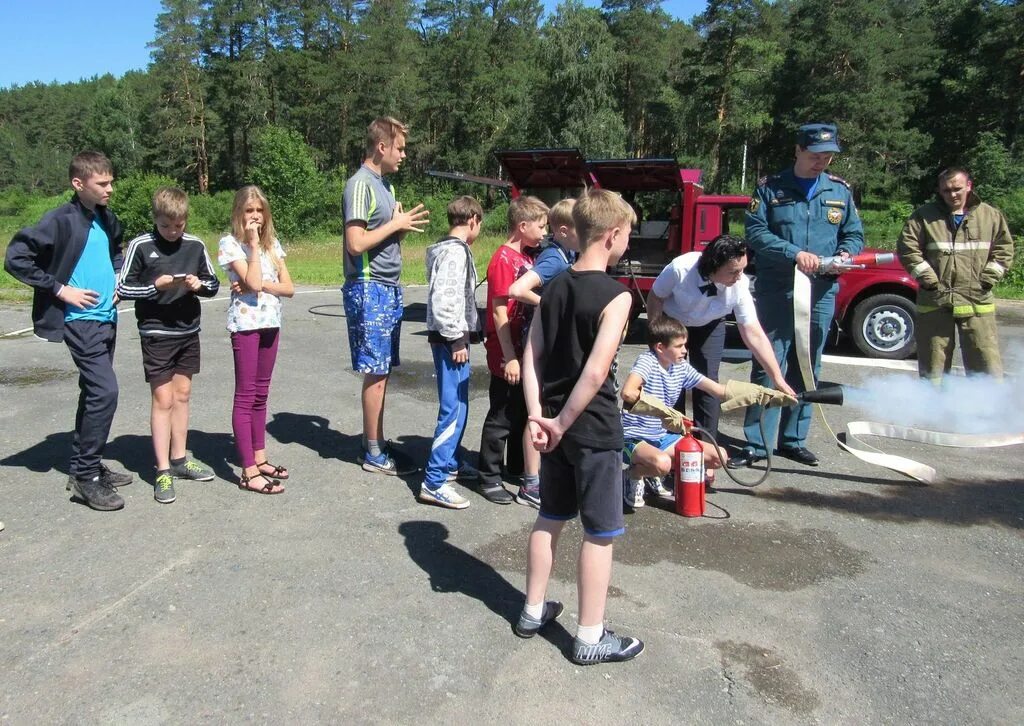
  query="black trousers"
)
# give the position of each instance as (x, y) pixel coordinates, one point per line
(705, 345)
(91, 344)
(502, 435)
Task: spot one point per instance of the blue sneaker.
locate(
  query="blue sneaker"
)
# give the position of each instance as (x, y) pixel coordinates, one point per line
(528, 627)
(444, 496)
(528, 496)
(384, 464)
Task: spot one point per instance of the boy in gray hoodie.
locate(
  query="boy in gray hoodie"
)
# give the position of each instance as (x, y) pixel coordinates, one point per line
(451, 320)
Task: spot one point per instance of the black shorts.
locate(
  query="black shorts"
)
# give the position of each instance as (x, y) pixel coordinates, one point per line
(577, 479)
(163, 355)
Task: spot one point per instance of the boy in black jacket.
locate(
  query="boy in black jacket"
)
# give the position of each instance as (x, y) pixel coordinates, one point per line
(71, 259)
(166, 270)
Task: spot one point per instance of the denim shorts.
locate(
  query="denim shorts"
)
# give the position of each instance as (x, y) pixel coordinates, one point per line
(373, 312)
(667, 441)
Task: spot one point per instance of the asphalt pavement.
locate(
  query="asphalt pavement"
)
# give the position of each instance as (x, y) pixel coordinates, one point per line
(842, 594)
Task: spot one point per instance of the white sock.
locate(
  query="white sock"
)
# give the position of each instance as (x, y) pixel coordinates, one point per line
(590, 634)
(535, 611)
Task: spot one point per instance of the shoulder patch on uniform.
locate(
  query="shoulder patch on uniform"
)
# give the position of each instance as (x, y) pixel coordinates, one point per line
(755, 204)
(839, 179)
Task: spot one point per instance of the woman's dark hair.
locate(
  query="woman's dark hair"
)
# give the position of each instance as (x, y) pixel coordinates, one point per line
(721, 249)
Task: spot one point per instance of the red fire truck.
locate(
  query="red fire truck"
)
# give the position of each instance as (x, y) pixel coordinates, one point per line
(874, 307)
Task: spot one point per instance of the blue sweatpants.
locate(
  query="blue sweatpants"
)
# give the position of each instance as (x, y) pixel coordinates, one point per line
(789, 426)
(453, 395)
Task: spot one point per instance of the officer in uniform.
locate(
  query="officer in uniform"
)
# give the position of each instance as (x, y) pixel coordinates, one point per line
(795, 218)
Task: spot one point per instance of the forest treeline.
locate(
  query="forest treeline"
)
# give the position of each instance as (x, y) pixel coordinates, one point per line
(237, 86)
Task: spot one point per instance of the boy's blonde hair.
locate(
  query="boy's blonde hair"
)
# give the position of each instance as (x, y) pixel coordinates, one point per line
(384, 129)
(242, 197)
(463, 209)
(561, 214)
(597, 211)
(525, 209)
(171, 203)
(87, 163)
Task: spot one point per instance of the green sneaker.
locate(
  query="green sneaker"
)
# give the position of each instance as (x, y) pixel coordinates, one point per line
(191, 469)
(163, 488)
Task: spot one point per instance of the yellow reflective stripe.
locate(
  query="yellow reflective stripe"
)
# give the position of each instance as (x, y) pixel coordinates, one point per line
(920, 268)
(950, 246)
(966, 310)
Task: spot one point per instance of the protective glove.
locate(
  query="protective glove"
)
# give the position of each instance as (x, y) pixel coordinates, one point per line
(740, 394)
(671, 419)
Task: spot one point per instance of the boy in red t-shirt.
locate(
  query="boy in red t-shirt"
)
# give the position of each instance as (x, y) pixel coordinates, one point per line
(506, 323)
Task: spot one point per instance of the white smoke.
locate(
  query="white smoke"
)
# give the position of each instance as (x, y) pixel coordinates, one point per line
(963, 405)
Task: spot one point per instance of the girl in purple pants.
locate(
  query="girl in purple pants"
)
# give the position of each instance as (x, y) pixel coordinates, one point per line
(254, 261)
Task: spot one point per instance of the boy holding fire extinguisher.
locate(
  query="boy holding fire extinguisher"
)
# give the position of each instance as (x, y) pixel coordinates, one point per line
(663, 373)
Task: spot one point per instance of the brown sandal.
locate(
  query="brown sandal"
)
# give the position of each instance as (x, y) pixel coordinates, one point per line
(279, 472)
(244, 481)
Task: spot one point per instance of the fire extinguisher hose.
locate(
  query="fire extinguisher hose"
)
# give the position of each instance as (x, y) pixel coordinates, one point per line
(698, 431)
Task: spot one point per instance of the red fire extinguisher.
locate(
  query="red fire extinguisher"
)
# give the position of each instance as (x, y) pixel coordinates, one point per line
(689, 466)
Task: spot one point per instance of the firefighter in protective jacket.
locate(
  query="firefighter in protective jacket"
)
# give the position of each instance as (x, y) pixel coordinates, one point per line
(957, 248)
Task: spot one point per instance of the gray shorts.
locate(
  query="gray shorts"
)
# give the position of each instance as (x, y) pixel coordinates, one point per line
(577, 479)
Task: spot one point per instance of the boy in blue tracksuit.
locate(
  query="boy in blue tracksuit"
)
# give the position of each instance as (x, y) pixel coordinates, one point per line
(71, 258)
(451, 320)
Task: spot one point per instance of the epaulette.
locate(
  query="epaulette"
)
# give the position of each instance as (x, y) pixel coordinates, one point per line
(839, 179)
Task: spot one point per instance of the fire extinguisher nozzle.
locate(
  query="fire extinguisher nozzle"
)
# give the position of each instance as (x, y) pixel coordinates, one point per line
(831, 395)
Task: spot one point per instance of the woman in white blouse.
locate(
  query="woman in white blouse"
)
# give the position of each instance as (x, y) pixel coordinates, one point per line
(699, 289)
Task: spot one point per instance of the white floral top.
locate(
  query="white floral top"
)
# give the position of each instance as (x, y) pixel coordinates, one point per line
(251, 310)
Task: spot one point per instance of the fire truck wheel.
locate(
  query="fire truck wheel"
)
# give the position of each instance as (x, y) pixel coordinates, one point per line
(883, 327)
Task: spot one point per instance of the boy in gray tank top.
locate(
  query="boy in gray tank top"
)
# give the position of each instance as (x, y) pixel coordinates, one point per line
(374, 227)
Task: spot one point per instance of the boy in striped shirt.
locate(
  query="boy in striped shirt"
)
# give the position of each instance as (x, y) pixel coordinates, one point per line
(664, 373)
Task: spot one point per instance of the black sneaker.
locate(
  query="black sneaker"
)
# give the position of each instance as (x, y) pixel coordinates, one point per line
(611, 649)
(528, 627)
(108, 477)
(98, 496)
(495, 493)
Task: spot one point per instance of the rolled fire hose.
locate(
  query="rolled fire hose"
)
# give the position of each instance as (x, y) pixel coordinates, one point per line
(848, 440)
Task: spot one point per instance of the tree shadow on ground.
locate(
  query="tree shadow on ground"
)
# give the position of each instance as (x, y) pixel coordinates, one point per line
(452, 569)
(956, 502)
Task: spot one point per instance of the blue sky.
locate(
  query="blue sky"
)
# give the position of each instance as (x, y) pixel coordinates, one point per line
(62, 40)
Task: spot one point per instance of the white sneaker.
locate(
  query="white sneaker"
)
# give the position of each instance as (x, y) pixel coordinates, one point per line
(637, 489)
(444, 496)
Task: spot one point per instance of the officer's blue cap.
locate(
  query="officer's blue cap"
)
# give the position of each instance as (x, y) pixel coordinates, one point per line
(818, 137)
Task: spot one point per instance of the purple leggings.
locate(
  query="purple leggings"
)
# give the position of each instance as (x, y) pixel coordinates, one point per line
(255, 353)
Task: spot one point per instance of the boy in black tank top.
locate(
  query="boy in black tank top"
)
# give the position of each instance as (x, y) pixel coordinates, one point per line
(575, 423)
